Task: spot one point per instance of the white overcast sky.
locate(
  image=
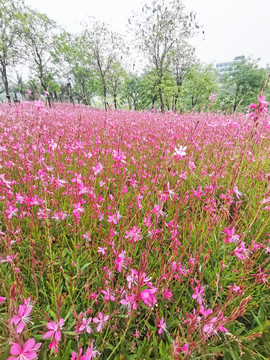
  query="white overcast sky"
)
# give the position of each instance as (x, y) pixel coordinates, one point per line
(232, 27)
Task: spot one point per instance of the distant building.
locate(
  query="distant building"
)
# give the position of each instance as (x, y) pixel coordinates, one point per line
(224, 67)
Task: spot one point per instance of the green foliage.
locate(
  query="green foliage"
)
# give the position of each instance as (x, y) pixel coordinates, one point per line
(132, 91)
(197, 86)
(241, 85)
(161, 31)
(11, 28)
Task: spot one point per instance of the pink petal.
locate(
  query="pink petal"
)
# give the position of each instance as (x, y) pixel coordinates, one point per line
(31, 355)
(28, 310)
(207, 328)
(81, 328)
(99, 327)
(29, 345)
(88, 330)
(57, 335)
(96, 320)
(20, 327)
(48, 334)
(222, 328)
(21, 310)
(185, 347)
(51, 325)
(15, 349)
(37, 346)
(15, 320)
(100, 315)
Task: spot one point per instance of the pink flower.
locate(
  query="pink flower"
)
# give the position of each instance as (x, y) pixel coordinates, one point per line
(237, 192)
(132, 277)
(102, 250)
(230, 236)
(260, 277)
(147, 296)
(185, 348)
(119, 156)
(147, 221)
(2, 299)
(85, 326)
(54, 330)
(27, 352)
(114, 218)
(9, 259)
(97, 169)
(54, 346)
(22, 318)
(241, 251)
(11, 211)
(215, 325)
(158, 210)
(198, 293)
(167, 294)
(74, 356)
(134, 234)
(108, 295)
(162, 326)
(78, 209)
(100, 320)
(91, 353)
(129, 302)
(212, 97)
(120, 261)
(262, 104)
(205, 312)
(180, 151)
(171, 193)
(236, 289)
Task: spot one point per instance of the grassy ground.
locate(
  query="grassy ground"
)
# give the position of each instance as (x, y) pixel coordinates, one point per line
(133, 235)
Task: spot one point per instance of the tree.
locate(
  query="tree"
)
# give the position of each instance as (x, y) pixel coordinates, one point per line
(11, 20)
(132, 91)
(149, 89)
(19, 86)
(116, 78)
(105, 47)
(182, 60)
(39, 40)
(241, 84)
(74, 60)
(158, 30)
(197, 86)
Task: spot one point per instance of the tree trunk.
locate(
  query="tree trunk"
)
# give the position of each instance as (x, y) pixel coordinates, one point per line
(176, 97)
(161, 100)
(105, 97)
(5, 81)
(115, 101)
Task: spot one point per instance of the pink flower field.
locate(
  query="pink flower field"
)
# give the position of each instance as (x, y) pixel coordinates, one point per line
(134, 235)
